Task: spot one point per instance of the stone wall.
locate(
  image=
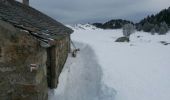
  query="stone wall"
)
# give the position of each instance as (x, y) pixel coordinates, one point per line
(19, 52)
(60, 52)
(27, 69)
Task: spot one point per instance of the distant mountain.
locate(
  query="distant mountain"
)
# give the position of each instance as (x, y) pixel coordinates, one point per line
(82, 27)
(112, 24)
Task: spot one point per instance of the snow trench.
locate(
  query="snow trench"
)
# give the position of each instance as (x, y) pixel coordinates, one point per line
(81, 78)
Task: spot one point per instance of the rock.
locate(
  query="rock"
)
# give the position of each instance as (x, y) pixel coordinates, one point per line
(164, 43)
(122, 39)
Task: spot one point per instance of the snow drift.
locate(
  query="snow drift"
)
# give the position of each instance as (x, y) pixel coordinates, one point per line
(107, 70)
(81, 79)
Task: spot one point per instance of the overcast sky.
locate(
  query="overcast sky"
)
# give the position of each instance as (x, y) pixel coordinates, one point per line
(84, 11)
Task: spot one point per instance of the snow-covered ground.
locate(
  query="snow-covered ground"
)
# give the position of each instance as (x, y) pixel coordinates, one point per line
(81, 78)
(107, 70)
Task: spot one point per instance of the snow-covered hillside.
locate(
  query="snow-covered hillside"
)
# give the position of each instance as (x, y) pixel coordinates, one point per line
(107, 70)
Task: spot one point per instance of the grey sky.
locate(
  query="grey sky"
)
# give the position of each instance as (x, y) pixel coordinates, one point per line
(84, 11)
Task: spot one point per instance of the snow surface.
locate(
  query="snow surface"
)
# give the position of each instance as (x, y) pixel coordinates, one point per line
(81, 79)
(108, 70)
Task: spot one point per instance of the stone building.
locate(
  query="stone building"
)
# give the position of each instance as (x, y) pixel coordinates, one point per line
(33, 50)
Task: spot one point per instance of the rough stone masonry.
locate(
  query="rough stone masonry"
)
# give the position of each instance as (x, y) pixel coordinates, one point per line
(33, 51)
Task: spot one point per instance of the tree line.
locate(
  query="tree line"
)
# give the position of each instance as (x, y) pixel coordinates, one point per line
(158, 23)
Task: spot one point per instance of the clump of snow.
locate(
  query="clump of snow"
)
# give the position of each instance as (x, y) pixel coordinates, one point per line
(138, 70)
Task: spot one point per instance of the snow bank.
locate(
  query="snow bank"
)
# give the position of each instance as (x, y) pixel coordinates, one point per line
(81, 79)
(138, 70)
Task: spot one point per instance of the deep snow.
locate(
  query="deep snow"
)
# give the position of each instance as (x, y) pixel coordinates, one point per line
(81, 79)
(138, 70)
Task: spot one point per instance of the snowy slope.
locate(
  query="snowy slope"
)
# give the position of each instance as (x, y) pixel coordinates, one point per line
(138, 70)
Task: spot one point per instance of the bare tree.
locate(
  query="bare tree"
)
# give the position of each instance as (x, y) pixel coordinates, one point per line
(128, 29)
(163, 28)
